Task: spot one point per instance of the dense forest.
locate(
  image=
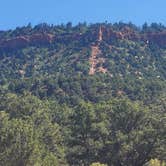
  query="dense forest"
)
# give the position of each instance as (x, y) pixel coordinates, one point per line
(83, 95)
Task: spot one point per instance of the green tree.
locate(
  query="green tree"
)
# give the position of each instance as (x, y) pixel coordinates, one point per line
(134, 134)
(86, 130)
(28, 134)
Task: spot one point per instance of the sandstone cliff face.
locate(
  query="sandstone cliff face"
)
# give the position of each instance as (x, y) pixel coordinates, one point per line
(17, 42)
(106, 33)
(130, 34)
(109, 34)
(41, 39)
(23, 41)
(126, 33)
(157, 38)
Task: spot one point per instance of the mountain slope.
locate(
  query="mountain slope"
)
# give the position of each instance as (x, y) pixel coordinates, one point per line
(83, 95)
(92, 63)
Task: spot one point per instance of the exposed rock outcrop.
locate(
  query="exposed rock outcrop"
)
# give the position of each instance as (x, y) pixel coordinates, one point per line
(23, 41)
(125, 33)
(17, 42)
(157, 38)
(41, 38)
(106, 34)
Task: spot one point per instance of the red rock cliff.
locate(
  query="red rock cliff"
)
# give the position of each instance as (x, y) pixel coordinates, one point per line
(23, 41)
(106, 34)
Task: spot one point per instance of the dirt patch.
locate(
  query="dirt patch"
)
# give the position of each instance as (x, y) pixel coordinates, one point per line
(96, 61)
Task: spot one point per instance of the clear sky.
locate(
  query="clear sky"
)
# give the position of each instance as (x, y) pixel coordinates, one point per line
(15, 13)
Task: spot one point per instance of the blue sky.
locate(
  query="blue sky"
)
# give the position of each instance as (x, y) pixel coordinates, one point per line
(15, 13)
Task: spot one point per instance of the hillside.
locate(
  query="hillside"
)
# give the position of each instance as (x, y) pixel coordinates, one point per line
(84, 62)
(90, 93)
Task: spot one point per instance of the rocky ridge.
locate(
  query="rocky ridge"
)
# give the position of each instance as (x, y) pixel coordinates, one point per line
(108, 34)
